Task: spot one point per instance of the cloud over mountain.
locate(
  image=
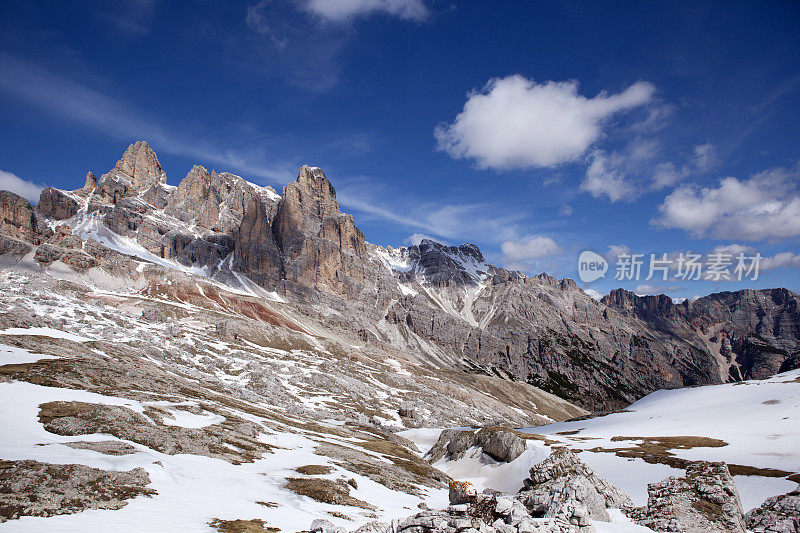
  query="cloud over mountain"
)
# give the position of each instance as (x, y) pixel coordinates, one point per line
(514, 122)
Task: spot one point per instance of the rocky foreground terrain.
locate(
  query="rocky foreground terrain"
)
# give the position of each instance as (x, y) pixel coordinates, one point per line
(220, 356)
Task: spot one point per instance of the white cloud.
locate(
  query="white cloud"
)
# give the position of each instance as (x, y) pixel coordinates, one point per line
(645, 289)
(596, 295)
(530, 248)
(705, 156)
(514, 122)
(345, 10)
(780, 260)
(17, 185)
(733, 249)
(415, 238)
(616, 250)
(565, 210)
(604, 177)
(764, 207)
(667, 175)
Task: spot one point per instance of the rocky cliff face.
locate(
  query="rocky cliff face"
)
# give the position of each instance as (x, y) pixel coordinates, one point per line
(445, 305)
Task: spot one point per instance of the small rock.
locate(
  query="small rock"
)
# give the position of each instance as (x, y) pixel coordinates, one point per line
(462, 492)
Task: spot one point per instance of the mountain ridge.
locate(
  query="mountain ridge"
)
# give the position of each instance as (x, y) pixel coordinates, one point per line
(444, 304)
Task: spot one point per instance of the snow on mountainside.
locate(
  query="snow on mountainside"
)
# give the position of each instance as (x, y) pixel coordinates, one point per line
(754, 426)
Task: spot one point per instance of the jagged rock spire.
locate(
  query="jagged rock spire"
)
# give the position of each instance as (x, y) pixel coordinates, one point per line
(140, 165)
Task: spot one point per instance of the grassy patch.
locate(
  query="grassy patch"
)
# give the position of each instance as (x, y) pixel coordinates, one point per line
(658, 450)
(743, 470)
(314, 470)
(242, 526)
(326, 491)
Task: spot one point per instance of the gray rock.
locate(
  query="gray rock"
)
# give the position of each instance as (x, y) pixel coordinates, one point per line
(778, 514)
(374, 527)
(705, 500)
(325, 526)
(563, 486)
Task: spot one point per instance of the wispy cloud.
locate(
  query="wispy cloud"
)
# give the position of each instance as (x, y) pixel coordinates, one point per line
(339, 11)
(84, 105)
(484, 222)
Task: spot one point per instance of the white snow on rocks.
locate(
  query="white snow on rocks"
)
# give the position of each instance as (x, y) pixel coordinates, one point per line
(759, 419)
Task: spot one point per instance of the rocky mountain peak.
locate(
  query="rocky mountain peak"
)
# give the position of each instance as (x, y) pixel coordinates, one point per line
(141, 166)
(91, 181)
(441, 264)
(312, 193)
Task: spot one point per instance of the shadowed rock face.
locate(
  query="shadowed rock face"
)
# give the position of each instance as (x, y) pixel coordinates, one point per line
(17, 218)
(55, 204)
(444, 304)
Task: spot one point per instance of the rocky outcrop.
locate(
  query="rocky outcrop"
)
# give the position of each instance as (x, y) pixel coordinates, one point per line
(501, 444)
(56, 204)
(563, 486)
(562, 495)
(17, 218)
(31, 488)
(321, 247)
(779, 514)
(704, 500)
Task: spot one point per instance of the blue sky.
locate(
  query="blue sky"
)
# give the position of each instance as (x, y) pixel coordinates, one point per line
(536, 130)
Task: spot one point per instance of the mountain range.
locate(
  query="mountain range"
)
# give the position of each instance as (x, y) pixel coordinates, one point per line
(444, 306)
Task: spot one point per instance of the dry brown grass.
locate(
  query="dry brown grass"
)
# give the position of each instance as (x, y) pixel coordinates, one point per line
(744, 470)
(658, 450)
(314, 470)
(326, 491)
(242, 526)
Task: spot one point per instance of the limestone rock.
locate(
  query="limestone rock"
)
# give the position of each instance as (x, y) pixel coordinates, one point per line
(56, 204)
(325, 526)
(499, 443)
(704, 500)
(462, 492)
(17, 218)
(778, 514)
(31, 488)
(563, 486)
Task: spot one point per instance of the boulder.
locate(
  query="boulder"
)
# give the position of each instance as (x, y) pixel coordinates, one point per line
(501, 444)
(462, 492)
(325, 526)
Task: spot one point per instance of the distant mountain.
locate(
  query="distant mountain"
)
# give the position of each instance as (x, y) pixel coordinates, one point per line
(444, 305)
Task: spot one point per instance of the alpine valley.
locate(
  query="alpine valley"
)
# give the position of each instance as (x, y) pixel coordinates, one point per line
(217, 356)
